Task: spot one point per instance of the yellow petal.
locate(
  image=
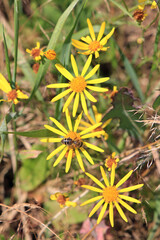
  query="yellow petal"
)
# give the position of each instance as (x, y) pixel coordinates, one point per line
(60, 156)
(70, 204)
(92, 72)
(51, 140)
(57, 150)
(92, 188)
(69, 123)
(58, 85)
(83, 102)
(111, 214)
(104, 176)
(4, 85)
(21, 95)
(96, 54)
(69, 100)
(80, 45)
(124, 204)
(59, 125)
(90, 128)
(94, 134)
(86, 66)
(105, 39)
(69, 159)
(87, 155)
(75, 105)
(97, 89)
(77, 122)
(98, 205)
(74, 65)
(112, 174)
(89, 96)
(38, 45)
(86, 39)
(102, 213)
(124, 179)
(89, 145)
(98, 80)
(64, 72)
(121, 213)
(91, 200)
(94, 179)
(55, 130)
(101, 32)
(61, 95)
(132, 188)
(79, 160)
(127, 198)
(91, 29)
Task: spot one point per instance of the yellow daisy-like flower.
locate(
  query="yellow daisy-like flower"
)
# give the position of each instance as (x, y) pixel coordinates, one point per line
(93, 45)
(12, 94)
(72, 141)
(111, 160)
(78, 85)
(110, 194)
(50, 54)
(36, 52)
(63, 200)
(98, 118)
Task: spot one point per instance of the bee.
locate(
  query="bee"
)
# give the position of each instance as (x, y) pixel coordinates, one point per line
(76, 143)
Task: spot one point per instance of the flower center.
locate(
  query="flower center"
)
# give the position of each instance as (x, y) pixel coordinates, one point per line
(110, 162)
(110, 194)
(72, 140)
(35, 52)
(78, 84)
(94, 46)
(12, 95)
(61, 199)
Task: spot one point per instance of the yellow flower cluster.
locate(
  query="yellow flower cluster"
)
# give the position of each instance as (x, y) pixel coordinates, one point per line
(74, 139)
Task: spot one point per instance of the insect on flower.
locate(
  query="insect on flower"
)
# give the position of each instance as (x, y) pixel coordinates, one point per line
(75, 143)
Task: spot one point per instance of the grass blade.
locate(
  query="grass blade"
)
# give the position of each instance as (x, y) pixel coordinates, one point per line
(7, 58)
(16, 29)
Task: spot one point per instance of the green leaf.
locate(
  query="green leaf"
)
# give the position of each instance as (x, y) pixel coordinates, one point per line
(52, 44)
(156, 103)
(7, 58)
(35, 134)
(33, 171)
(132, 74)
(123, 109)
(3, 130)
(124, 10)
(16, 29)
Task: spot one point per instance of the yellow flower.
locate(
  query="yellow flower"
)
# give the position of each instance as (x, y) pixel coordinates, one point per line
(50, 54)
(139, 15)
(110, 194)
(111, 160)
(154, 5)
(93, 45)
(98, 118)
(78, 85)
(36, 52)
(63, 200)
(12, 94)
(72, 141)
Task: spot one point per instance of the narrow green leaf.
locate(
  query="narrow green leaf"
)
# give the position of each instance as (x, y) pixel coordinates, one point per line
(156, 103)
(16, 29)
(132, 74)
(124, 10)
(42, 133)
(7, 58)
